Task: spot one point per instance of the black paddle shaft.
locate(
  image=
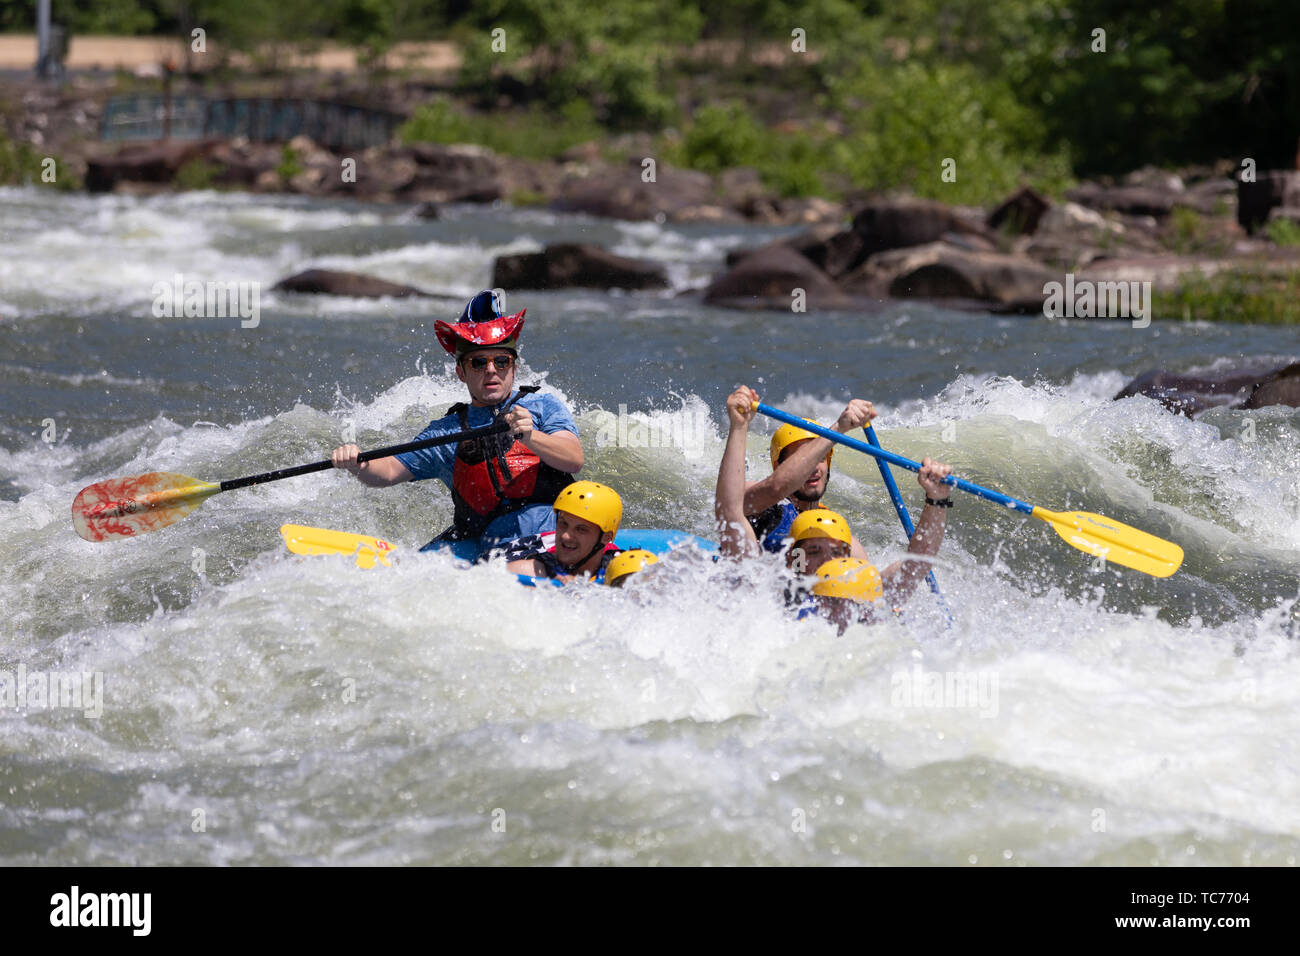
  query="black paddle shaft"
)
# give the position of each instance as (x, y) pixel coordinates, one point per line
(325, 465)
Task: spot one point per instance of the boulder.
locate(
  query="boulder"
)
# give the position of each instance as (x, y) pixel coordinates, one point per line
(834, 250)
(706, 213)
(768, 279)
(885, 224)
(310, 181)
(1280, 388)
(458, 173)
(383, 172)
(619, 192)
(1020, 213)
(329, 282)
(740, 185)
(1071, 217)
(810, 211)
(153, 163)
(1190, 394)
(938, 270)
(1156, 201)
(309, 153)
(569, 265)
(1156, 178)
(801, 243)
(1164, 270)
(241, 163)
(1242, 387)
(529, 181)
(1212, 197)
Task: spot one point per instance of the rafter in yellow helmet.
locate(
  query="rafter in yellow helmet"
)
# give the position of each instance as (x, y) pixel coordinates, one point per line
(787, 435)
(592, 501)
(821, 523)
(628, 562)
(850, 578)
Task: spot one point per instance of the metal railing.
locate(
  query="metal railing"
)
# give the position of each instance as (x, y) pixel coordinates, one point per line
(260, 119)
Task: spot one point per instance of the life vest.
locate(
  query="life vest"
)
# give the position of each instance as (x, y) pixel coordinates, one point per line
(495, 475)
(772, 526)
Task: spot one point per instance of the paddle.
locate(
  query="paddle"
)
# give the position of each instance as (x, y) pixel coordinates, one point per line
(897, 498)
(301, 539)
(1096, 534)
(126, 507)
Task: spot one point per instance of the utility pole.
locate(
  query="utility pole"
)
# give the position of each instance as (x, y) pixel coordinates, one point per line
(43, 39)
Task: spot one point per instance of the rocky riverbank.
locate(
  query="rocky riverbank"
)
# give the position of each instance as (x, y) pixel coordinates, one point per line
(1152, 226)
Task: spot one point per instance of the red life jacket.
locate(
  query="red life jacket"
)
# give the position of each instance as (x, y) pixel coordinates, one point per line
(495, 475)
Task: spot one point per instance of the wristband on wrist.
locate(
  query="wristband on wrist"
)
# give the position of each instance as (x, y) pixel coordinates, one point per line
(945, 503)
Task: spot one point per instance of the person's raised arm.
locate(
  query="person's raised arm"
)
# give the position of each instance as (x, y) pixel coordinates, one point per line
(901, 578)
(377, 473)
(736, 537)
(794, 470)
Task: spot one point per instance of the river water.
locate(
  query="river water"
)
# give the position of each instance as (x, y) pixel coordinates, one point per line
(259, 708)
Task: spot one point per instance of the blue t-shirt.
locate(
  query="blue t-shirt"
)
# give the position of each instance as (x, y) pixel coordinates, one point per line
(549, 416)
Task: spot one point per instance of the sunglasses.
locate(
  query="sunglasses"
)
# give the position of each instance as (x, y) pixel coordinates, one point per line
(502, 362)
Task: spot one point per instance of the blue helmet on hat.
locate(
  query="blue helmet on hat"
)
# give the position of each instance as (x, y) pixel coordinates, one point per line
(482, 324)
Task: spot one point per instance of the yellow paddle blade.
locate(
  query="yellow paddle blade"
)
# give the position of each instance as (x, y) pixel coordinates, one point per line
(304, 540)
(1112, 541)
(126, 507)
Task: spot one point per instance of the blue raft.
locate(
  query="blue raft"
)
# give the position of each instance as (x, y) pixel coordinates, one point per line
(657, 540)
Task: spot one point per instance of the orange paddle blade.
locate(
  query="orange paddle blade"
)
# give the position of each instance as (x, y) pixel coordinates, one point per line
(126, 507)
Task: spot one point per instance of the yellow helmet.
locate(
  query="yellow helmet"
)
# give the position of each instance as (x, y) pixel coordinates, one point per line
(788, 435)
(592, 501)
(628, 562)
(848, 578)
(821, 523)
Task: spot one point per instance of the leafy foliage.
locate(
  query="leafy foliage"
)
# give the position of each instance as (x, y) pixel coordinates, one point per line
(908, 120)
(532, 133)
(1010, 89)
(1259, 296)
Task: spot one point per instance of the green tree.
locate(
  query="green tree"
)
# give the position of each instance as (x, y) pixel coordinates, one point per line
(904, 122)
(558, 51)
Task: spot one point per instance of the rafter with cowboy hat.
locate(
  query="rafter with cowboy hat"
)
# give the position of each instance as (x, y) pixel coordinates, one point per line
(502, 486)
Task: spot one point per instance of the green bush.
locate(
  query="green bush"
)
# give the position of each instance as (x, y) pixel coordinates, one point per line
(904, 121)
(1187, 229)
(21, 165)
(290, 166)
(535, 133)
(1255, 295)
(720, 137)
(1284, 232)
(197, 174)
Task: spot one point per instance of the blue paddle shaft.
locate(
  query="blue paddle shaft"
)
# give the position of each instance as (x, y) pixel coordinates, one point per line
(879, 453)
(896, 496)
(890, 484)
